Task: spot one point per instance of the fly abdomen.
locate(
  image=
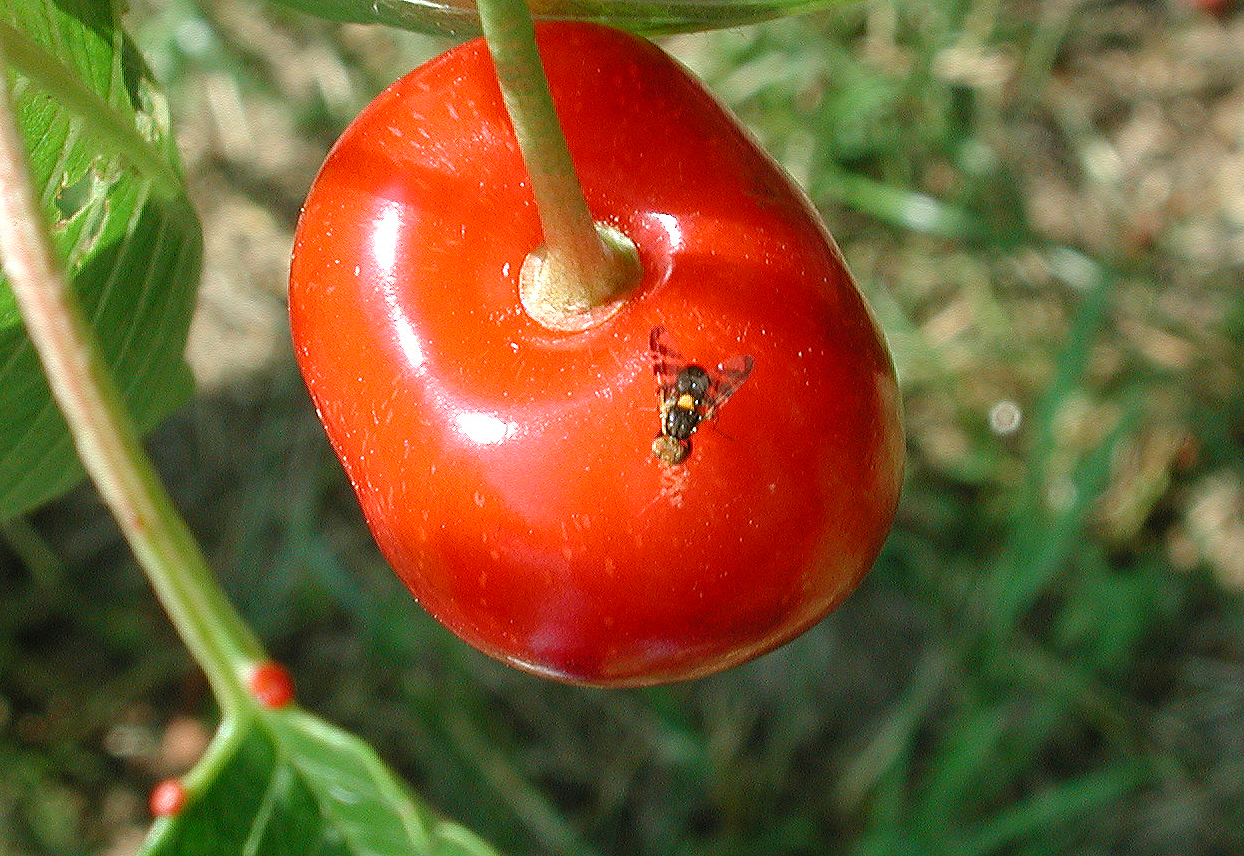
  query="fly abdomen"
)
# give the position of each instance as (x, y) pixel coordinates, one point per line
(680, 421)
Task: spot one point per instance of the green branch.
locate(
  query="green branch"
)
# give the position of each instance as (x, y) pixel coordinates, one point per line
(105, 436)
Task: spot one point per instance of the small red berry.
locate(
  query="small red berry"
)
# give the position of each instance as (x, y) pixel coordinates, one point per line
(167, 799)
(271, 685)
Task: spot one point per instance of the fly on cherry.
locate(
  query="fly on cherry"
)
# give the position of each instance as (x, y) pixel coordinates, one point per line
(689, 394)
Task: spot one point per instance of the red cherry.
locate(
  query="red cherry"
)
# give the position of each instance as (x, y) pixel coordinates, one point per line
(271, 685)
(508, 471)
(167, 798)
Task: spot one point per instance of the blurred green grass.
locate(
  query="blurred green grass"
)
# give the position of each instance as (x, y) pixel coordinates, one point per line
(1049, 655)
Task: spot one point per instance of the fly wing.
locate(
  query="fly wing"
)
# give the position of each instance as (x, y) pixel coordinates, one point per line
(666, 361)
(723, 382)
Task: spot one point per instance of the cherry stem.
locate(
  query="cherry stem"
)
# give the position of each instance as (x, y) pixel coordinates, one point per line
(104, 434)
(584, 267)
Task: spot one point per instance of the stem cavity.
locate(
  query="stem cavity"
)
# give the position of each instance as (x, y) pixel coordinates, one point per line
(578, 278)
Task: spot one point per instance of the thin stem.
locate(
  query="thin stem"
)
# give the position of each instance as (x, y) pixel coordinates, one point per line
(105, 437)
(583, 266)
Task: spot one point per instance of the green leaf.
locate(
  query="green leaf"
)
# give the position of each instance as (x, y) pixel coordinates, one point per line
(458, 17)
(284, 782)
(108, 179)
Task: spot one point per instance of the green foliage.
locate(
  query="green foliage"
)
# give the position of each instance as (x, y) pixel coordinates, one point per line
(458, 17)
(107, 175)
(284, 782)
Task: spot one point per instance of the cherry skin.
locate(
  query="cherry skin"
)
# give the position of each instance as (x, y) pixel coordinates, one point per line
(507, 470)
